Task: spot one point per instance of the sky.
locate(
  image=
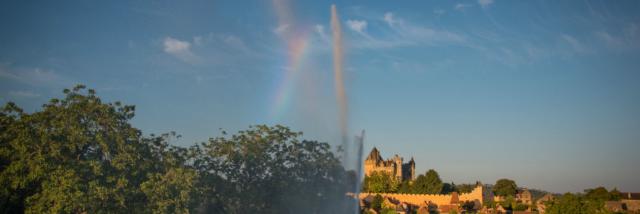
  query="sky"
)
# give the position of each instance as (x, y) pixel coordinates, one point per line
(542, 92)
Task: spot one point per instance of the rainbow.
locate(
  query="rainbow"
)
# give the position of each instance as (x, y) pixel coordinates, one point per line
(297, 42)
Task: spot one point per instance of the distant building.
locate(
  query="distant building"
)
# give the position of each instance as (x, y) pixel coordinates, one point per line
(541, 203)
(524, 196)
(630, 201)
(614, 206)
(412, 203)
(395, 166)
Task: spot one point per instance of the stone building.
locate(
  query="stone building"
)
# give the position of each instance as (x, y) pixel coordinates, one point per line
(630, 201)
(524, 196)
(394, 166)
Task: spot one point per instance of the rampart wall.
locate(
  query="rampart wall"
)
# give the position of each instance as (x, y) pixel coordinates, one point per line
(438, 199)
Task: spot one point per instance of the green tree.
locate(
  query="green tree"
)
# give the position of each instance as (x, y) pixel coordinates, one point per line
(262, 162)
(75, 155)
(602, 194)
(380, 182)
(405, 187)
(615, 195)
(80, 155)
(465, 188)
(429, 183)
(448, 188)
(509, 202)
(570, 203)
(505, 187)
(172, 192)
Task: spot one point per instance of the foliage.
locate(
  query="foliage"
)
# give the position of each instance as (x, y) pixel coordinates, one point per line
(505, 187)
(429, 183)
(74, 156)
(470, 206)
(376, 203)
(405, 187)
(509, 203)
(448, 188)
(172, 192)
(570, 203)
(520, 207)
(80, 155)
(380, 182)
(265, 161)
(602, 194)
(388, 211)
(464, 188)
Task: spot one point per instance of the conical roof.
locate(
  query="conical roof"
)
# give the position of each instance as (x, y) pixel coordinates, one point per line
(374, 155)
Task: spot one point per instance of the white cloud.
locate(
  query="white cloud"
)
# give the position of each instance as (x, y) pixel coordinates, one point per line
(357, 25)
(320, 31)
(281, 30)
(175, 46)
(23, 94)
(180, 49)
(402, 34)
(439, 12)
(388, 18)
(211, 49)
(485, 3)
(461, 6)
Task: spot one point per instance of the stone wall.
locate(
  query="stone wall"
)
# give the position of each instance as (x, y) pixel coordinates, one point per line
(632, 205)
(439, 199)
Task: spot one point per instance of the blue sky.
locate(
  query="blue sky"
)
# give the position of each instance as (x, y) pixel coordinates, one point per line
(543, 92)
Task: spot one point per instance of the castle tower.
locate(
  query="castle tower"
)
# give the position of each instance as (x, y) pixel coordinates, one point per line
(412, 169)
(409, 170)
(372, 161)
(398, 166)
(393, 166)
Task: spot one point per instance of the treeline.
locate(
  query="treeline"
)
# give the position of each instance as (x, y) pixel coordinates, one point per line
(591, 201)
(427, 183)
(80, 155)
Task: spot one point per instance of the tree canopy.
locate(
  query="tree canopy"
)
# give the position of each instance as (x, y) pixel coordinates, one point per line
(380, 182)
(429, 183)
(81, 155)
(505, 187)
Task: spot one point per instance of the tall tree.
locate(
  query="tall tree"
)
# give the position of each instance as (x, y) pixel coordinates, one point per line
(263, 162)
(429, 183)
(76, 155)
(80, 155)
(505, 187)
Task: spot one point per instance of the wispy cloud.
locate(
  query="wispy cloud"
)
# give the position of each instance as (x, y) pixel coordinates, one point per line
(281, 29)
(180, 49)
(626, 38)
(461, 6)
(357, 25)
(319, 29)
(23, 94)
(401, 33)
(485, 3)
(32, 76)
(388, 18)
(576, 45)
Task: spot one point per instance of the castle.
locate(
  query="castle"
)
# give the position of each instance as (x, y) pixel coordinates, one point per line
(405, 202)
(394, 166)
